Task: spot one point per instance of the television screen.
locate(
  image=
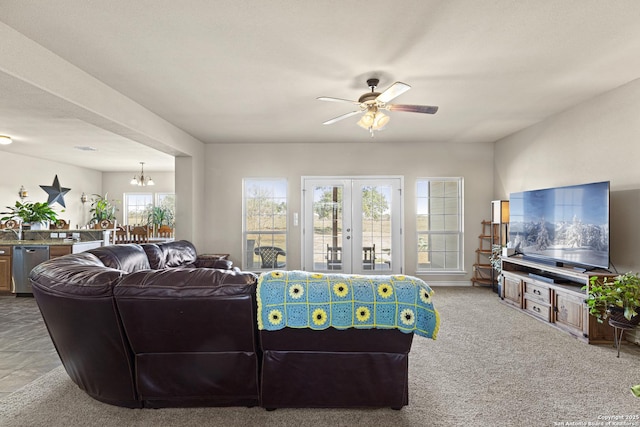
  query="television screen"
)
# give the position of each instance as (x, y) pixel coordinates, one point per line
(564, 224)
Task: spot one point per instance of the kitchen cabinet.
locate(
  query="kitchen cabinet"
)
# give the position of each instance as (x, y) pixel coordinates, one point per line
(56, 251)
(5, 269)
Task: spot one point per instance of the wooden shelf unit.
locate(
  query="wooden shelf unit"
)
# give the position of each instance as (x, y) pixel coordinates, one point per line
(529, 286)
(482, 274)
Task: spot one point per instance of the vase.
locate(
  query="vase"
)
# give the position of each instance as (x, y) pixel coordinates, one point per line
(39, 226)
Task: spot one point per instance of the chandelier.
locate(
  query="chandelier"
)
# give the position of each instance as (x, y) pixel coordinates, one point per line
(141, 180)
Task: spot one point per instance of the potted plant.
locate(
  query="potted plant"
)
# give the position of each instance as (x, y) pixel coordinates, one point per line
(102, 208)
(496, 263)
(37, 214)
(159, 216)
(615, 299)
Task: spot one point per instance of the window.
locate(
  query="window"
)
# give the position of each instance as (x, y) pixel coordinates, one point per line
(439, 224)
(139, 207)
(265, 223)
(167, 201)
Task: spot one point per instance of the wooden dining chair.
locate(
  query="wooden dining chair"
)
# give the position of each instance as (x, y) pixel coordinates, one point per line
(165, 232)
(139, 235)
(121, 236)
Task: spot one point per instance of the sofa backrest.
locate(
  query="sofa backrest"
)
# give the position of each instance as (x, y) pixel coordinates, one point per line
(128, 258)
(182, 309)
(180, 253)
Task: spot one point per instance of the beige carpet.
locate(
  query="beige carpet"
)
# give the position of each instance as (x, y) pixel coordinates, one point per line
(490, 366)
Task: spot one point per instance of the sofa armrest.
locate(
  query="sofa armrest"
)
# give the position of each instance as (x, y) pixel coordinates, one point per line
(213, 261)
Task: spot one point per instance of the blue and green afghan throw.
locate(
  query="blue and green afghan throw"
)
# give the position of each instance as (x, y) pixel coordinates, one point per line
(299, 299)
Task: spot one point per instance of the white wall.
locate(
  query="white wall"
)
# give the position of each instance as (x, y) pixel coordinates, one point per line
(228, 164)
(598, 140)
(117, 184)
(72, 92)
(31, 172)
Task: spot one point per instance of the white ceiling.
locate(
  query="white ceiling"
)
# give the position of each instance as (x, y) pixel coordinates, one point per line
(232, 71)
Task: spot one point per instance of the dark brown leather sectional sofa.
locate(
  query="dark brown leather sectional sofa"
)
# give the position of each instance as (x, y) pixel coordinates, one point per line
(154, 325)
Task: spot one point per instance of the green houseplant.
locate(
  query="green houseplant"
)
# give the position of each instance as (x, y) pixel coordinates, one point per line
(621, 294)
(102, 208)
(496, 262)
(31, 213)
(159, 216)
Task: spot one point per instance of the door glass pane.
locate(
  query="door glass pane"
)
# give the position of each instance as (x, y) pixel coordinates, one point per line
(376, 228)
(327, 227)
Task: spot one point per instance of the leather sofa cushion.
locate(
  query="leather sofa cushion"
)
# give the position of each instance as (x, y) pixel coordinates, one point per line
(179, 253)
(127, 258)
(186, 283)
(81, 275)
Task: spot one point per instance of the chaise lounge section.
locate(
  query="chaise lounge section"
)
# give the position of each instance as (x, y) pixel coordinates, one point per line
(339, 340)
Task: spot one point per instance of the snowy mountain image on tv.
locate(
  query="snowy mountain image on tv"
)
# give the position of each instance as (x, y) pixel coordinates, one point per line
(565, 224)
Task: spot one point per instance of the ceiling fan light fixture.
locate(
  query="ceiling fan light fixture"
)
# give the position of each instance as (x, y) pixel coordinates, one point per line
(373, 119)
(367, 120)
(380, 121)
(371, 104)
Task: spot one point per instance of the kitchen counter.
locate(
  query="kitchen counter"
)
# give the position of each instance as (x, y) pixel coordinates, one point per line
(54, 237)
(43, 242)
(76, 247)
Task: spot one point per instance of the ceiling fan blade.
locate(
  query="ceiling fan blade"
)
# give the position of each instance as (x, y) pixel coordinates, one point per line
(327, 98)
(344, 116)
(396, 89)
(426, 109)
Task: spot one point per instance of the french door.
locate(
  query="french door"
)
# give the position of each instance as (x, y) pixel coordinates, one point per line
(352, 224)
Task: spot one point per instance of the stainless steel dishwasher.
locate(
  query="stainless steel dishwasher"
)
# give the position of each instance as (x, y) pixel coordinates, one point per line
(24, 259)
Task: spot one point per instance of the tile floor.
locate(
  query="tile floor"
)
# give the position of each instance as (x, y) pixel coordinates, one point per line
(26, 351)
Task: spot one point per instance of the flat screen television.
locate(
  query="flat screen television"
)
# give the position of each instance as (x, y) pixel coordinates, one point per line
(562, 225)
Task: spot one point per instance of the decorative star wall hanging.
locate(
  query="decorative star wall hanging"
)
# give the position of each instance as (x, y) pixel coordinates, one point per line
(55, 192)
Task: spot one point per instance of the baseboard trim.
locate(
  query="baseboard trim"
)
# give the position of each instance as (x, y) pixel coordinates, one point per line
(451, 283)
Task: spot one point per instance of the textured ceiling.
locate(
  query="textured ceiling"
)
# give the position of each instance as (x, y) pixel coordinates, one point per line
(250, 71)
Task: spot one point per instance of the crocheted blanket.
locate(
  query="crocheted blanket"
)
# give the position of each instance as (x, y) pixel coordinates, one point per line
(299, 299)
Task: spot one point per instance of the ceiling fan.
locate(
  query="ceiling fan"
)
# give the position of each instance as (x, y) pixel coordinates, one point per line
(371, 104)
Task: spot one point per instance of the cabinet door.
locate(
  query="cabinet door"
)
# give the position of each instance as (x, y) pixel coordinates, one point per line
(512, 289)
(5, 273)
(569, 312)
(56, 251)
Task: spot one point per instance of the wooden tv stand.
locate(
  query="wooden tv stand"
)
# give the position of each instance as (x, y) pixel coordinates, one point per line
(554, 295)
